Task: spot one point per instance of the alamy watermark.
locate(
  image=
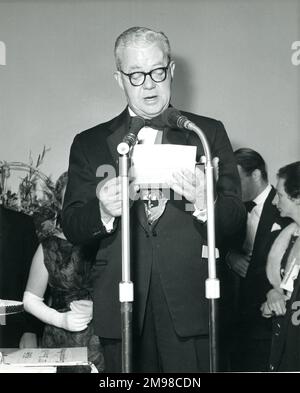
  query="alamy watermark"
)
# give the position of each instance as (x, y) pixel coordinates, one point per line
(2, 53)
(296, 314)
(295, 59)
(108, 172)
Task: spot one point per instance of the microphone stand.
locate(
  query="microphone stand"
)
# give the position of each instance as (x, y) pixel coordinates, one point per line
(125, 286)
(212, 284)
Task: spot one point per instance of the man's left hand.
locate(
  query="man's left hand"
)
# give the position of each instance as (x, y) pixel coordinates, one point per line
(191, 185)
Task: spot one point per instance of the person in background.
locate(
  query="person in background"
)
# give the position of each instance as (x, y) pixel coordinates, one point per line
(283, 299)
(248, 258)
(67, 271)
(18, 243)
(169, 264)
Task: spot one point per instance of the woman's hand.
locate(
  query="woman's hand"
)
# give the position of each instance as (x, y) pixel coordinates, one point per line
(75, 321)
(276, 301)
(79, 317)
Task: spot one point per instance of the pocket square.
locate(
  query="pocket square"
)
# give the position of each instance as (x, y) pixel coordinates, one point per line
(275, 227)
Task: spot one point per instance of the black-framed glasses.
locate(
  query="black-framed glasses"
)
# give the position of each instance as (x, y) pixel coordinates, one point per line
(157, 75)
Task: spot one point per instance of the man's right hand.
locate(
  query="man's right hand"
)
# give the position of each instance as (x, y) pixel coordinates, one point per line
(110, 199)
(239, 263)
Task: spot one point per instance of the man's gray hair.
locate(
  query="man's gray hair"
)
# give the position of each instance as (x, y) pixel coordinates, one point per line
(140, 36)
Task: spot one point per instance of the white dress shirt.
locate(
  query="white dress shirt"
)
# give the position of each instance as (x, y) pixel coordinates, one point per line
(253, 219)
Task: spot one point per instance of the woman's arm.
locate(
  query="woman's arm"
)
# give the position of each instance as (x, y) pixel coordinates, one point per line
(38, 275)
(34, 303)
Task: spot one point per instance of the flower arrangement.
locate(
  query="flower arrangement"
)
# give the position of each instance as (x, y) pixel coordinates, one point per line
(35, 196)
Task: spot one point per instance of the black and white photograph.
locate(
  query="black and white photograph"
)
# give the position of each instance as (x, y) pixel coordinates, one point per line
(149, 189)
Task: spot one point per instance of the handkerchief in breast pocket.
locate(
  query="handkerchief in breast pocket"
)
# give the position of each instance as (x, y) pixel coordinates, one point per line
(275, 227)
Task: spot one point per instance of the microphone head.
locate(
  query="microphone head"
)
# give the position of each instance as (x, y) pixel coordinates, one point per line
(136, 123)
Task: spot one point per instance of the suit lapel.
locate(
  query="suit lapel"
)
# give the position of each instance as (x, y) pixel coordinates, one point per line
(174, 136)
(119, 128)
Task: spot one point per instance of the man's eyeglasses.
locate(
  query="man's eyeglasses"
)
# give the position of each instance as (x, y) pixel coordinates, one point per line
(157, 75)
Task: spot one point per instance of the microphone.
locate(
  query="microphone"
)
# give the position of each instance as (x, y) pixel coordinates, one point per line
(129, 139)
(171, 117)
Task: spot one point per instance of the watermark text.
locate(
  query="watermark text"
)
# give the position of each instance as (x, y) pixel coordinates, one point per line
(2, 53)
(295, 59)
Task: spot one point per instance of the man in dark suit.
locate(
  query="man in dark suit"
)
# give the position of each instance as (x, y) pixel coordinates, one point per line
(168, 263)
(248, 260)
(18, 242)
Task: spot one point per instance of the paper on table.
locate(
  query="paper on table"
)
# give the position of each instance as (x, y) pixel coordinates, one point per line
(15, 369)
(47, 357)
(154, 164)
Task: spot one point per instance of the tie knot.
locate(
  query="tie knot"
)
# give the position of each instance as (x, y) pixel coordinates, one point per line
(148, 123)
(154, 123)
(250, 205)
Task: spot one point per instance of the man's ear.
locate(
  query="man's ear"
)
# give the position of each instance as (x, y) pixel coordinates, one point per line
(119, 79)
(256, 174)
(172, 68)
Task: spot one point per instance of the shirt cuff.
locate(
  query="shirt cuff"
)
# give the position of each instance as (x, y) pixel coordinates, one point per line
(109, 226)
(201, 215)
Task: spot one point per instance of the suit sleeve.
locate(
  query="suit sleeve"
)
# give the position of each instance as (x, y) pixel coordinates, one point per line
(230, 213)
(81, 219)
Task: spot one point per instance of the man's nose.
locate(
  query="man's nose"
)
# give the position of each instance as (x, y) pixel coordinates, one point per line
(149, 83)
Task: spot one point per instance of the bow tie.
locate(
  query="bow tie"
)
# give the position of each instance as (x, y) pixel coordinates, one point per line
(154, 123)
(250, 205)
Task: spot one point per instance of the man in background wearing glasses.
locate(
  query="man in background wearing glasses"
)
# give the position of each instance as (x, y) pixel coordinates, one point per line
(168, 260)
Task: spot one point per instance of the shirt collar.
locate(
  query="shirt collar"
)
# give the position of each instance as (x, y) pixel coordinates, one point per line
(261, 198)
(147, 134)
(131, 113)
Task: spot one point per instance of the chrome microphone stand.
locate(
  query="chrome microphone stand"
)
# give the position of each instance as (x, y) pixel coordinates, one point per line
(212, 284)
(126, 285)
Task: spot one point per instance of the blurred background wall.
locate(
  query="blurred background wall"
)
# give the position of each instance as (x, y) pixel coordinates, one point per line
(233, 63)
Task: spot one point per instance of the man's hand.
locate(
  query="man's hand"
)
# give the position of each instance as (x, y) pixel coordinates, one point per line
(191, 185)
(110, 198)
(239, 263)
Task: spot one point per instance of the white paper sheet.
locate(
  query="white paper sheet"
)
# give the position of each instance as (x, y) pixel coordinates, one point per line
(46, 357)
(153, 165)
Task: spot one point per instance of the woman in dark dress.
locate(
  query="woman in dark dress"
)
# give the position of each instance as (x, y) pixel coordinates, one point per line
(283, 301)
(67, 271)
